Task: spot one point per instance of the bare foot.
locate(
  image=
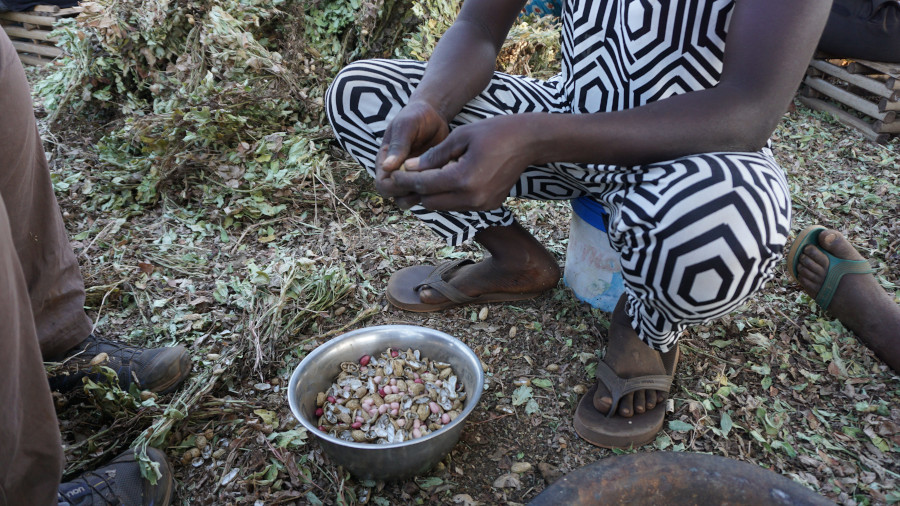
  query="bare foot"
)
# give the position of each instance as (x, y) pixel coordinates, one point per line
(518, 263)
(860, 303)
(629, 357)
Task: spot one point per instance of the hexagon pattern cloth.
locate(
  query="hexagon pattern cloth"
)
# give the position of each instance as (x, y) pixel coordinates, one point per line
(696, 235)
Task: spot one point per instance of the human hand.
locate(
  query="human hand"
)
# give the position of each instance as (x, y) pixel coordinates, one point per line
(417, 127)
(472, 170)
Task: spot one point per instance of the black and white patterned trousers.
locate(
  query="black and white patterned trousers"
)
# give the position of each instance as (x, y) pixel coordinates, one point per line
(696, 235)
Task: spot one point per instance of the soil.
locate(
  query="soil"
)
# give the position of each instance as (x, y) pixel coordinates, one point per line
(777, 383)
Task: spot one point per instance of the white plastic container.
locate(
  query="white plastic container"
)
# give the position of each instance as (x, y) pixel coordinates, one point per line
(592, 266)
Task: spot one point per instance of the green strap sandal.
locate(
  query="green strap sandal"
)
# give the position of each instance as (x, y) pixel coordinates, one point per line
(837, 267)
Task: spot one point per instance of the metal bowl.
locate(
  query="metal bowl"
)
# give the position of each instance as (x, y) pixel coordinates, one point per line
(393, 461)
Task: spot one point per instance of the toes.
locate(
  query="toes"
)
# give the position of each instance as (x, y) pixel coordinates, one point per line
(809, 281)
(652, 398)
(828, 238)
(640, 402)
(815, 254)
(430, 296)
(632, 404)
(626, 406)
(835, 243)
(602, 404)
(813, 260)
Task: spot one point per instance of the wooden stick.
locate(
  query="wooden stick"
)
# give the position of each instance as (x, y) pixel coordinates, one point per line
(28, 47)
(28, 18)
(846, 118)
(871, 85)
(51, 9)
(891, 69)
(861, 105)
(36, 61)
(890, 128)
(888, 105)
(70, 11)
(18, 31)
(806, 91)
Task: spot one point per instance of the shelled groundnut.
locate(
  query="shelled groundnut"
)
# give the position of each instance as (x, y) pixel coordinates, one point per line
(394, 397)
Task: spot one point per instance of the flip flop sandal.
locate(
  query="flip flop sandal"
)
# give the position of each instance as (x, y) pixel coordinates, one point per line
(837, 267)
(611, 430)
(404, 287)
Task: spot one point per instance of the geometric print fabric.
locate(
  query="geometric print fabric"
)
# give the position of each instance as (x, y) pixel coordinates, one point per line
(696, 236)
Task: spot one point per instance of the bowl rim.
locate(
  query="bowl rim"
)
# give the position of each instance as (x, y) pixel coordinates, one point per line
(472, 398)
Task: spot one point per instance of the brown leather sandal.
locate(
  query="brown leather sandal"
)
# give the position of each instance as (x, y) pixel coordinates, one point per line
(404, 287)
(611, 430)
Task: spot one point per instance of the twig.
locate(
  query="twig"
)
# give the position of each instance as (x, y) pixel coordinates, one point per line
(710, 355)
(189, 397)
(252, 227)
(789, 320)
(103, 301)
(362, 315)
(100, 234)
(360, 221)
(491, 419)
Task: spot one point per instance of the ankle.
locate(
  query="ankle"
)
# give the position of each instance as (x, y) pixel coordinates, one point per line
(81, 346)
(513, 244)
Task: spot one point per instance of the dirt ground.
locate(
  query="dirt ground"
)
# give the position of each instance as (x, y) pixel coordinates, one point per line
(778, 383)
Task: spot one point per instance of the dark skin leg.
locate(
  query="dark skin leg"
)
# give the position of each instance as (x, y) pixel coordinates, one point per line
(860, 303)
(629, 357)
(518, 263)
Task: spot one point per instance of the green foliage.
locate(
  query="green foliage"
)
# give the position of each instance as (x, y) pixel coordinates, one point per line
(327, 21)
(291, 439)
(190, 81)
(282, 299)
(107, 396)
(532, 48)
(201, 90)
(438, 16)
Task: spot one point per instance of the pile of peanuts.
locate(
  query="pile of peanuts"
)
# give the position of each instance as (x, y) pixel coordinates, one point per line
(392, 398)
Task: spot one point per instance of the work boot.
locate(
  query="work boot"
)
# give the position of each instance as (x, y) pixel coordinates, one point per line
(158, 370)
(120, 483)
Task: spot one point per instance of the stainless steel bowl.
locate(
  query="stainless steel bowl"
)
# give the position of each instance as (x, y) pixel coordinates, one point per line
(389, 461)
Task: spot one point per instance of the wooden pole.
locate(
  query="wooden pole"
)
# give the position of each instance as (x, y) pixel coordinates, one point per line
(891, 69)
(37, 61)
(24, 33)
(891, 128)
(50, 9)
(28, 47)
(846, 118)
(70, 11)
(28, 18)
(888, 105)
(861, 105)
(871, 85)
